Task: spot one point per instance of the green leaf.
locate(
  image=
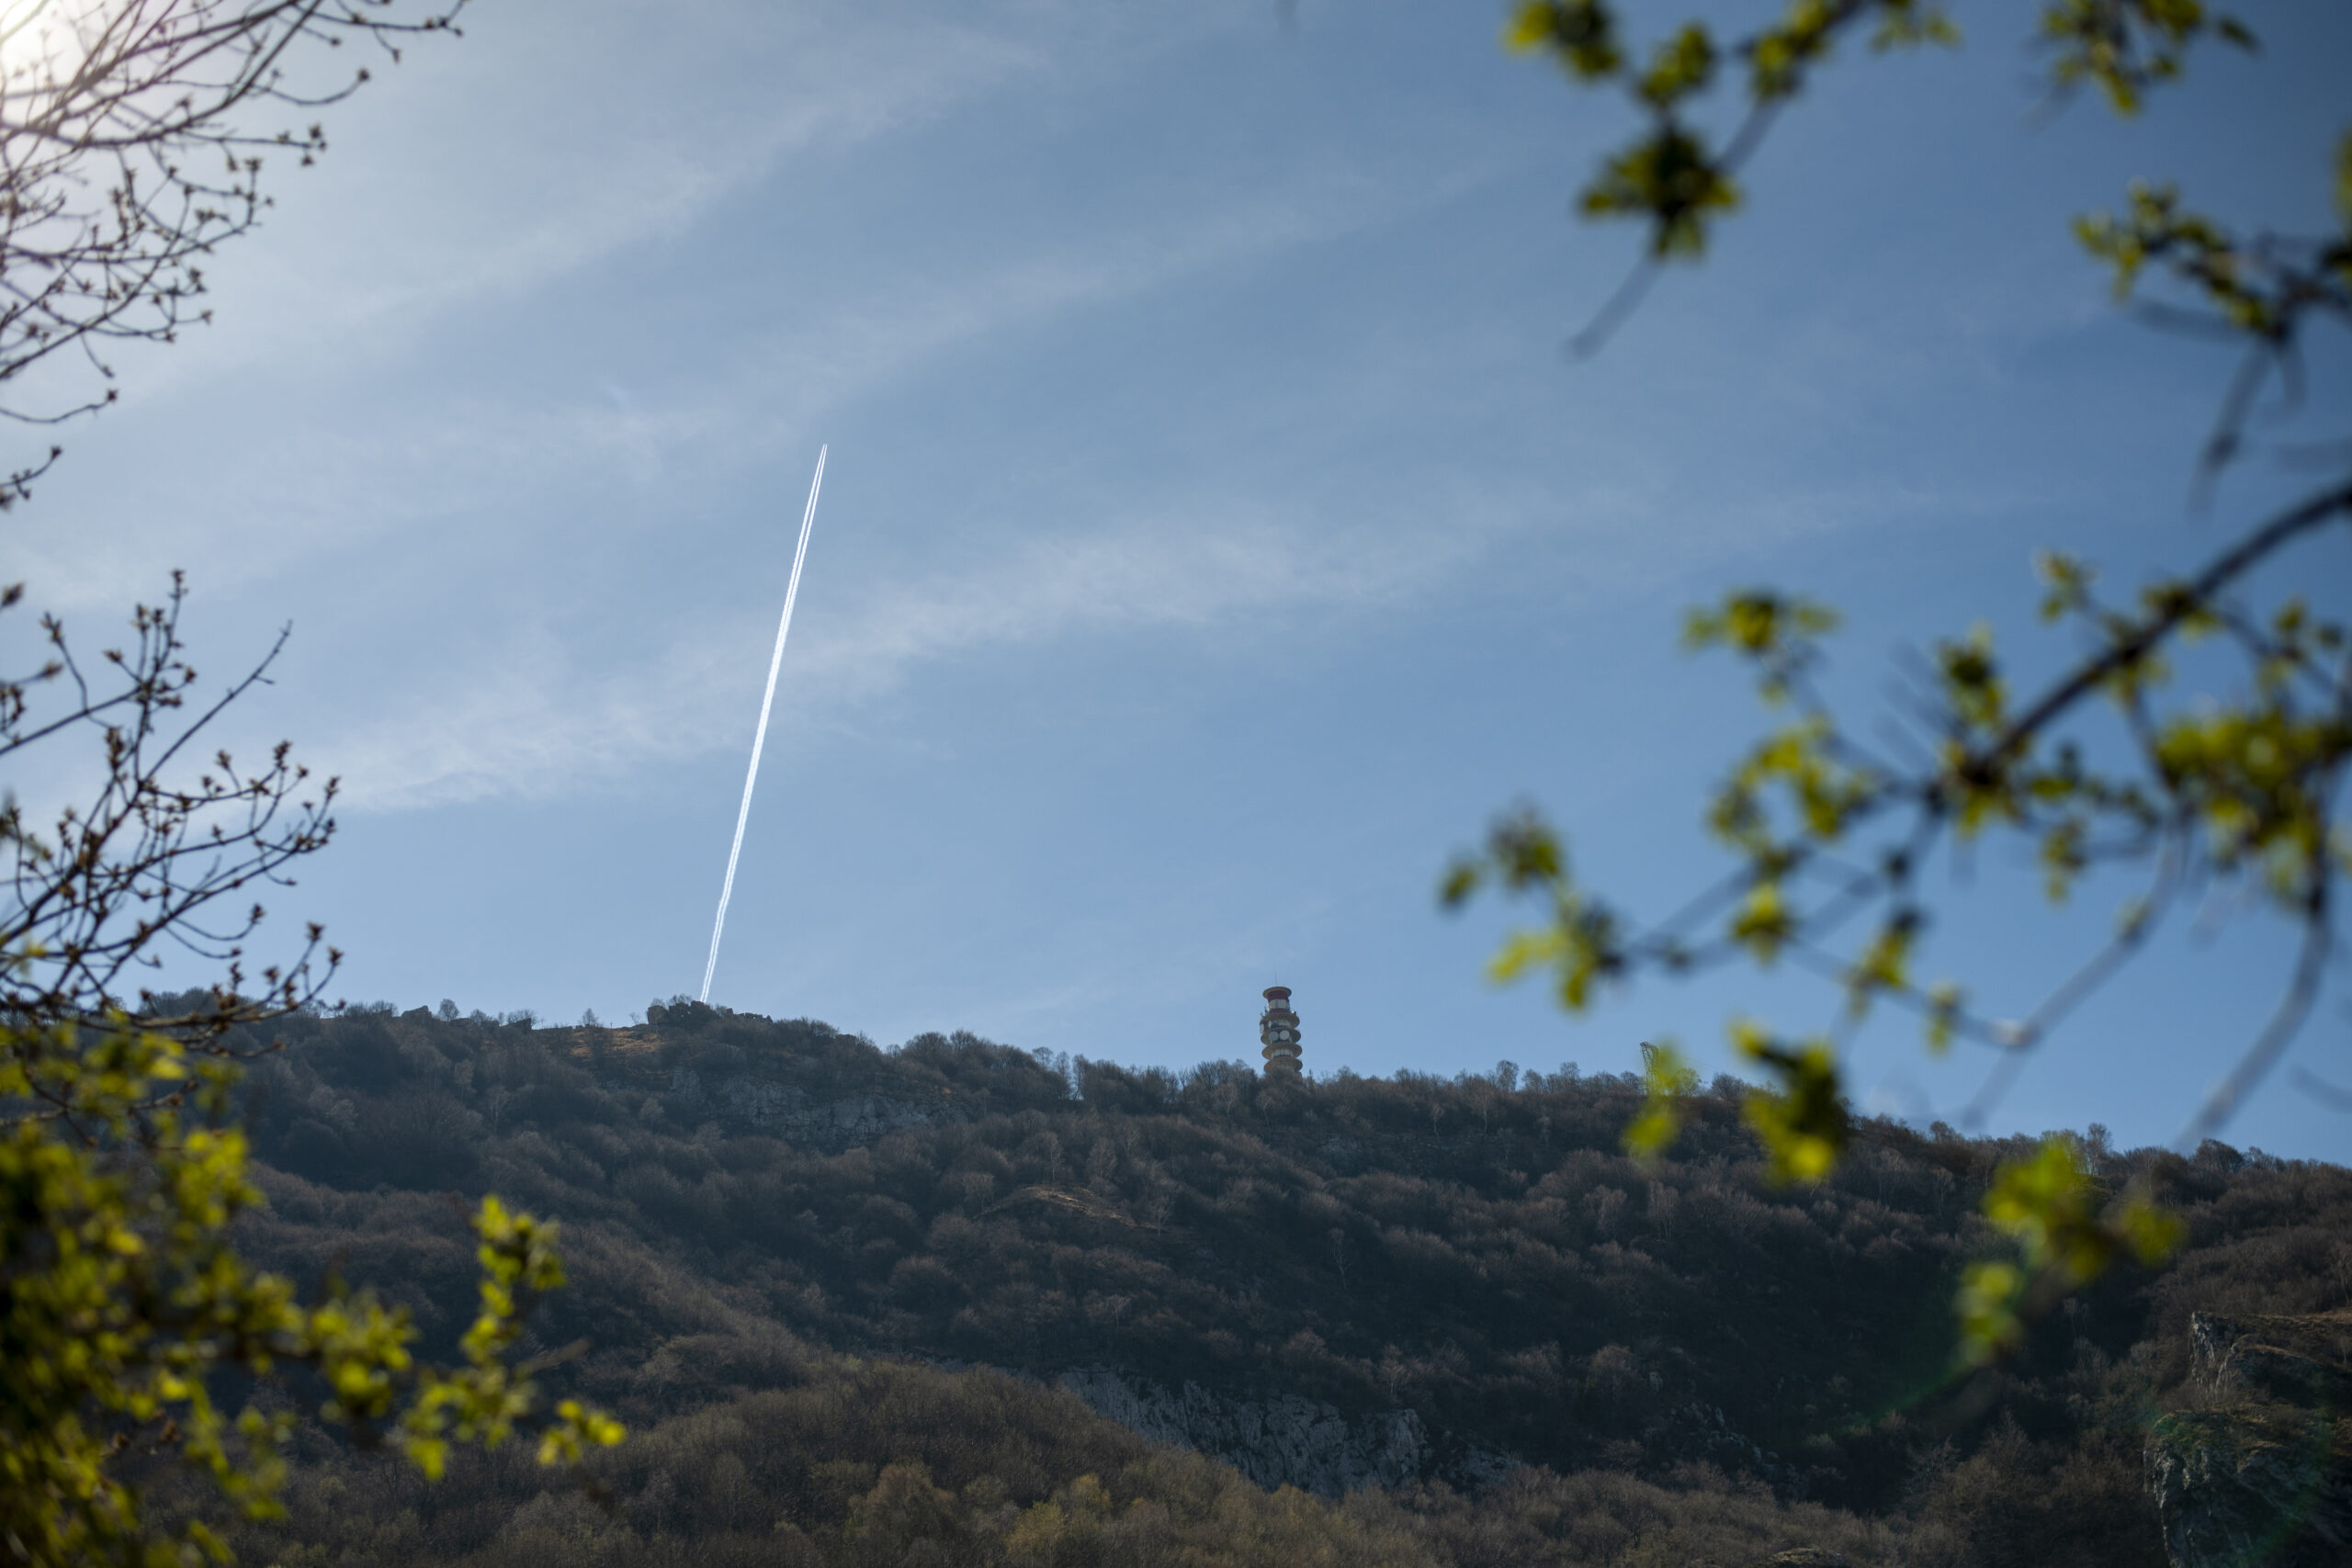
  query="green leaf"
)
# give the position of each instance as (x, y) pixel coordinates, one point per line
(1803, 1123)
(1667, 1080)
(1683, 65)
(1580, 34)
(1671, 178)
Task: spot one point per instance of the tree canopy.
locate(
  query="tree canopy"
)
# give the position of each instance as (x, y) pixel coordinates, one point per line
(788, 1239)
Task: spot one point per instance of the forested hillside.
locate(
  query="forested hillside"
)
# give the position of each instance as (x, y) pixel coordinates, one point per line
(796, 1258)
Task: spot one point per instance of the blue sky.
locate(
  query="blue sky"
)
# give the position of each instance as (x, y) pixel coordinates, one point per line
(1216, 536)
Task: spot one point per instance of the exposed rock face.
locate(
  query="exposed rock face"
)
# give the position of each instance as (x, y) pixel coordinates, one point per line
(1283, 1441)
(2298, 1361)
(2264, 1472)
(789, 1113)
(1700, 1431)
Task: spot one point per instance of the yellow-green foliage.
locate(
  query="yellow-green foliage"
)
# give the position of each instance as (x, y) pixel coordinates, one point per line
(1803, 1124)
(125, 1302)
(1667, 1081)
(2068, 1231)
(2238, 783)
(124, 1298)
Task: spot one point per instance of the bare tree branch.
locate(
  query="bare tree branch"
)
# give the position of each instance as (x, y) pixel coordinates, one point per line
(128, 154)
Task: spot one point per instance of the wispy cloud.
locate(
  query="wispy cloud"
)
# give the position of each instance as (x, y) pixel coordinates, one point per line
(645, 122)
(421, 511)
(537, 720)
(494, 456)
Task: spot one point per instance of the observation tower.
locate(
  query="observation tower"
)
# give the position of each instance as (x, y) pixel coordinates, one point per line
(1278, 1029)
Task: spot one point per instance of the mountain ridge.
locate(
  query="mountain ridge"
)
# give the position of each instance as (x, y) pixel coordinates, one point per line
(746, 1198)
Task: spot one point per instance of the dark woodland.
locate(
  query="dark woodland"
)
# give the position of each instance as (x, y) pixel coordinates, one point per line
(842, 1296)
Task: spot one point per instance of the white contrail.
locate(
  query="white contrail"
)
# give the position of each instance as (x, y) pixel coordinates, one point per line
(759, 737)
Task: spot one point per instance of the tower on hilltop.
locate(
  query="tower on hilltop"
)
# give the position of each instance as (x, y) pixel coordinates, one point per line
(1278, 1029)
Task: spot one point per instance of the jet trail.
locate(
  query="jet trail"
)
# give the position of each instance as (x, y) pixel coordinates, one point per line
(760, 737)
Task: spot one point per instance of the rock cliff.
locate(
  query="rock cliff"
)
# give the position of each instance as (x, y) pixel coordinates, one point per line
(782, 1110)
(2262, 1471)
(1287, 1440)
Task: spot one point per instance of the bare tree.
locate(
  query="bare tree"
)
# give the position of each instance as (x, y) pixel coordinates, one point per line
(122, 1172)
(163, 856)
(133, 135)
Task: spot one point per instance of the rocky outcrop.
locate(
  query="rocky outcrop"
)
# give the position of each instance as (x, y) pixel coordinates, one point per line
(1283, 1441)
(2304, 1362)
(2262, 1472)
(1700, 1431)
(782, 1112)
